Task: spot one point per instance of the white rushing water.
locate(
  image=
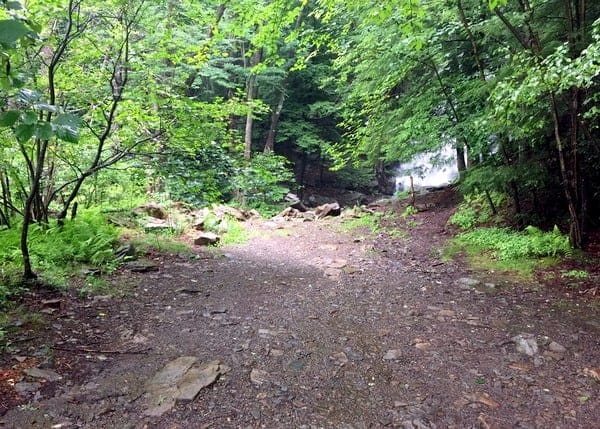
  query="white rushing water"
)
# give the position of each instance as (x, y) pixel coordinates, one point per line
(429, 169)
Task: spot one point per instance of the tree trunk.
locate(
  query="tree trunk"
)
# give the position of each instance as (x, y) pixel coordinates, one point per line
(270, 144)
(250, 94)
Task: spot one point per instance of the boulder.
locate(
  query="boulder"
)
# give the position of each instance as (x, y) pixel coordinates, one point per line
(207, 239)
(330, 209)
(151, 209)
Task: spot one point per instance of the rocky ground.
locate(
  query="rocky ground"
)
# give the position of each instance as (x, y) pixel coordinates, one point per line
(310, 327)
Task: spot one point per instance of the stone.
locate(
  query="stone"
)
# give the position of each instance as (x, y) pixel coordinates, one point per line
(556, 347)
(151, 209)
(197, 379)
(154, 224)
(447, 313)
(330, 209)
(423, 345)
(392, 355)
(179, 380)
(339, 359)
(207, 239)
(46, 374)
(24, 388)
(467, 282)
(141, 266)
(526, 344)
(174, 370)
(259, 377)
(126, 250)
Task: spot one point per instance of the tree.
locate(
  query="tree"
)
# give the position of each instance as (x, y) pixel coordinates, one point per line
(72, 98)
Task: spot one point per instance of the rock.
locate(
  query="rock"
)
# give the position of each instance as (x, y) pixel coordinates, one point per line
(556, 348)
(337, 263)
(157, 224)
(151, 209)
(126, 250)
(275, 352)
(423, 345)
(526, 344)
(24, 388)
(392, 355)
(174, 370)
(141, 266)
(295, 202)
(447, 313)
(46, 374)
(259, 377)
(207, 239)
(197, 379)
(330, 209)
(339, 359)
(179, 380)
(221, 211)
(467, 282)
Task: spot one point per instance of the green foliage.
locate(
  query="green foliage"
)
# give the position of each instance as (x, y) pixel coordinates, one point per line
(576, 274)
(368, 221)
(234, 232)
(476, 210)
(201, 177)
(263, 182)
(510, 245)
(57, 250)
(409, 211)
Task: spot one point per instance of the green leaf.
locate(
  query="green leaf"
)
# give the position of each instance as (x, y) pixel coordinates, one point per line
(28, 96)
(11, 31)
(66, 126)
(8, 118)
(44, 131)
(46, 107)
(24, 132)
(14, 5)
(30, 118)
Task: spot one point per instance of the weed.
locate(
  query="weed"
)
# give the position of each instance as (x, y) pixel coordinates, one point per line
(476, 209)
(511, 245)
(369, 221)
(576, 274)
(409, 211)
(235, 233)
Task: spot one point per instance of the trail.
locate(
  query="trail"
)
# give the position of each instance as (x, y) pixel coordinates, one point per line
(316, 328)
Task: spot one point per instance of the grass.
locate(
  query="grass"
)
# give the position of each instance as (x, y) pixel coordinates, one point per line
(368, 221)
(483, 258)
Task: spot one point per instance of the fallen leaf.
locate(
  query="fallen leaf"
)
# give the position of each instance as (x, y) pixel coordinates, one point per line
(592, 372)
(483, 398)
(520, 366)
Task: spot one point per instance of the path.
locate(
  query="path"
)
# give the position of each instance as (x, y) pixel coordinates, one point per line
(314, 328)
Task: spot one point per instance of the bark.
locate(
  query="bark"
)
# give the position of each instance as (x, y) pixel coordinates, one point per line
(251, 95)
(270, 144)
(42, 145)
(118, 81)
(569, 171)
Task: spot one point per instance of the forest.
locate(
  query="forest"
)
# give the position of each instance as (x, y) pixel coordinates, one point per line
(212, 214)
(107, 104)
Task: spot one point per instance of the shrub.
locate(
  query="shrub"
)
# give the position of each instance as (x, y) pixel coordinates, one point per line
(476, 209)
(263, 182)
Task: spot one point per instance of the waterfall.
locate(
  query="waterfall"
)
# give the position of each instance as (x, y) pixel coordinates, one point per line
(428, 169)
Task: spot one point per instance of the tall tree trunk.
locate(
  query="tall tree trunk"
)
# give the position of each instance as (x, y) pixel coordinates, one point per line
(567, 159)
(250, 96)
(270, 144)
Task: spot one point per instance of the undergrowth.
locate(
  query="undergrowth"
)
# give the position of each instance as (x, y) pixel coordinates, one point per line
(477, 209)
(507, 244)
(369, 221)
